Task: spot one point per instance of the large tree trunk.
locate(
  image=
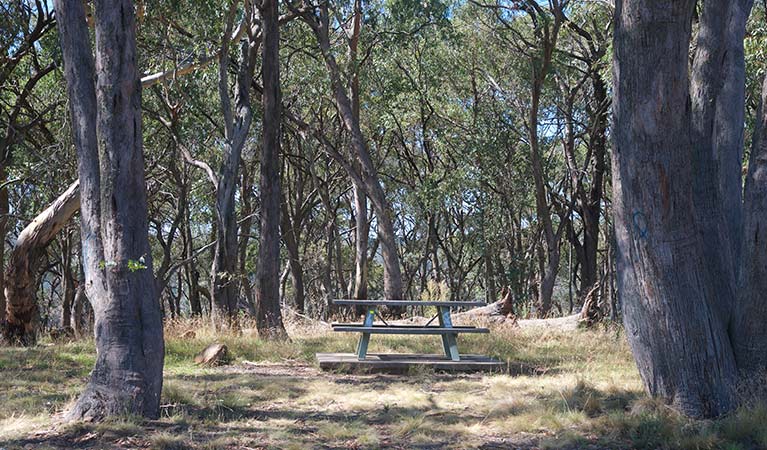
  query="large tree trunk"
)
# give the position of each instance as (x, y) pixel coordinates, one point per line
(717, 94)
(106, 118)
(748, 331)
(678, 340)
(24, 264)
(269, 316)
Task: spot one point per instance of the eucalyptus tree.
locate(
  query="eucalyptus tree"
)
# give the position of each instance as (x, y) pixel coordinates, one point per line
(689, 255)
(535, 40)
(583, 105)
(269, 314)
(106, 114)
(318, 18)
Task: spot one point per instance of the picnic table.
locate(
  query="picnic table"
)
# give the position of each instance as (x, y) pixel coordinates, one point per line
(443, 328)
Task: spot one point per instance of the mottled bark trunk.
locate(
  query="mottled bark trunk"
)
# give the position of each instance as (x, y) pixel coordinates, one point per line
(224, 269)
(717, 94)
(106, 118)
(269, 316)
(747, 330)
(659, 252)
(24, 264)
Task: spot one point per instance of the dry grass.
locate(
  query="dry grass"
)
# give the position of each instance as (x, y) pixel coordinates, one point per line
(565, 389)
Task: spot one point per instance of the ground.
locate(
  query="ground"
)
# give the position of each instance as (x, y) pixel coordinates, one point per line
(564, 389)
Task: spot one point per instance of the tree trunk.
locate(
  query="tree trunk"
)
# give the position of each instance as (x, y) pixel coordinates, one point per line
(370, 179)
(748, 332)
(68, 282)
(362, 226)
(247, 302)
(78, 319)
(106, 118)
(269, 316)
(3, 231)
(717, 94)
(24, 264)
(540, 70)
(224, 276)
(290, 237)
(667, 301)
(593, 209)
(193, 276)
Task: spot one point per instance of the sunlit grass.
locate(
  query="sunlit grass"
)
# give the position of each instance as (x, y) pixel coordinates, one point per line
(564, 389)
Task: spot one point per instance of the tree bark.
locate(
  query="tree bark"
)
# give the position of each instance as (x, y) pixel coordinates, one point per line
(269, 316)
(24, 264)
(667, 302)
(717, 94)
(749, 335)
(106, 114)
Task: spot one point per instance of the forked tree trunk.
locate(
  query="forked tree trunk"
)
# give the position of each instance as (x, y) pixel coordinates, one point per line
(24, 264)
(269, 316)
(106, 117)
(678, 340)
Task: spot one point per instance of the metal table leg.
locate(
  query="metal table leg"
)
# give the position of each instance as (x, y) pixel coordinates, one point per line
(449, 342)
(362, 346)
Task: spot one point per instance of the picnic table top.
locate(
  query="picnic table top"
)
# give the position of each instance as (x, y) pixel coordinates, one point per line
(408, 303)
